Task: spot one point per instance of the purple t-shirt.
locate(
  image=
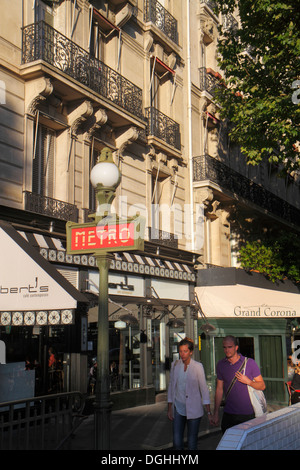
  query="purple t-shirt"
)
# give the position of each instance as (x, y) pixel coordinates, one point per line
(238, 401)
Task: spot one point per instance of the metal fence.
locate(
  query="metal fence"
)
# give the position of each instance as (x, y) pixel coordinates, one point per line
(40, 423)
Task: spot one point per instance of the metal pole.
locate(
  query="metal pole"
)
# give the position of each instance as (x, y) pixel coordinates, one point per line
(103, 404)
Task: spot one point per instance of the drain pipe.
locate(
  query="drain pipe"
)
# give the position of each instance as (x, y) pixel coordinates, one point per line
(190, 158)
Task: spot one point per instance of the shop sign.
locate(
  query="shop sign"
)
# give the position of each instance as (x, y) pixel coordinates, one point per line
(25, 285)
(105, 237)
(264, 311)
(119, 284)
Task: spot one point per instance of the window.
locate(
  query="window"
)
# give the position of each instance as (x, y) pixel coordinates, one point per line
(43, 162)
(92, 191)
(43, 12)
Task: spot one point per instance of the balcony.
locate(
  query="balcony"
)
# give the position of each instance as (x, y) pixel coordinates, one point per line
(206, 167)
(209, 80)
(210, 3)
(42, 42)
(163, 127)
(50, 207)
(161, 18)
(162, 238)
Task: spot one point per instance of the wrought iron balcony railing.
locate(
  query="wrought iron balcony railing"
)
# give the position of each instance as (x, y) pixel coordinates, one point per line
(161, 18)
(51, 207)
(209, 80)
(210, 3)
(162, 238)
(206, 167)
(42, 42)
(163, 127)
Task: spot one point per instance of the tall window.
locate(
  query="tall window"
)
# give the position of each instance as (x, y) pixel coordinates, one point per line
(92, 191)
(43, 162)
(43, 12)
(157, 188)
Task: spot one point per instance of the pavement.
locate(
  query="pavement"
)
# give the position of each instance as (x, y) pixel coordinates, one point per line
(142, 428)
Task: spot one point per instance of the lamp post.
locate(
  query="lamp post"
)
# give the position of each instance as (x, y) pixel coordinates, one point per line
(105, 177)
(104, 235)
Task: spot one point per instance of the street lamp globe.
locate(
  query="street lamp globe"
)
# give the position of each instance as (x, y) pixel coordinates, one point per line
(105, 174)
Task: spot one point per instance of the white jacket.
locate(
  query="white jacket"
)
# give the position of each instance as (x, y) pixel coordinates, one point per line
(197, 393)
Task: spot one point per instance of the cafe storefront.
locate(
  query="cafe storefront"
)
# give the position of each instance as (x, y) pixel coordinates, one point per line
(149, 311)
(264, 316)
(39, 310)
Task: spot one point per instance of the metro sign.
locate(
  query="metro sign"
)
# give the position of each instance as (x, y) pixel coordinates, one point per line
(96, 238)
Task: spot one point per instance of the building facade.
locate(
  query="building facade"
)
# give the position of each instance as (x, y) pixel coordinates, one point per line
(138, 77)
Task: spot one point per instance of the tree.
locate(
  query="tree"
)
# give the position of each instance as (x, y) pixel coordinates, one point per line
(274, 257)
(261, 63)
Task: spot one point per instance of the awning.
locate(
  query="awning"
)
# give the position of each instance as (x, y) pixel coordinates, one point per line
(160, 67)
(104, 22)
(230, 299)
(32, 291)
(53, 249)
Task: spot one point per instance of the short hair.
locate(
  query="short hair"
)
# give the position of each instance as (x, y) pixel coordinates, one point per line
(187, 342)
(231, 338)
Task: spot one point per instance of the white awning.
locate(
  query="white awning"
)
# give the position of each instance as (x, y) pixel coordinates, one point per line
(242, 301)
(32, 291)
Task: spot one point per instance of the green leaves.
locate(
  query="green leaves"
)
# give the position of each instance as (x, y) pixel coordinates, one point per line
(261, 60)
(274, 257)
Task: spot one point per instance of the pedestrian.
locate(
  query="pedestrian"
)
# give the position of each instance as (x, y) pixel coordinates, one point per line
(187, 393)
(238, 407)
(295, 386)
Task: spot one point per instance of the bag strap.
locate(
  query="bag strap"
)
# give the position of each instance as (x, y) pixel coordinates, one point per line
(235, 379)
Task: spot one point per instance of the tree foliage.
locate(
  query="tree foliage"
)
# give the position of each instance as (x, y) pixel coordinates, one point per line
(261, 62)
(275, 257)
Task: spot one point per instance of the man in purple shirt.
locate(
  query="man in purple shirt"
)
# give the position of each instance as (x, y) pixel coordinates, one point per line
(238, 408)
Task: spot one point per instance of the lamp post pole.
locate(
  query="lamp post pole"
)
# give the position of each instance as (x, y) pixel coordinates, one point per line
(105, 177)
(102, 403)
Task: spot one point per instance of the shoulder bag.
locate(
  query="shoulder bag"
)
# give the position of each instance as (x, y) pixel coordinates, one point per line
(258, 401)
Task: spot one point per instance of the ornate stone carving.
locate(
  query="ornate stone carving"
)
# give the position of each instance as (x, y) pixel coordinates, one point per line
(125, 138)
(79, 115)
(36, 93)
(94, 123)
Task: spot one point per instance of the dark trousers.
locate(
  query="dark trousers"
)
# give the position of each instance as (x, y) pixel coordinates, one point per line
(230, 420)
(295, 398)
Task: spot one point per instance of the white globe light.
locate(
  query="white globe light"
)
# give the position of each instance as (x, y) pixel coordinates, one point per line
(105, 173)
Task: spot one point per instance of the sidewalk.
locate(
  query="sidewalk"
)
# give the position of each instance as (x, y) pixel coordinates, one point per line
(141, 428)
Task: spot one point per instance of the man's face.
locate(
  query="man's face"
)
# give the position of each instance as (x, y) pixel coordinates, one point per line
(230, 349)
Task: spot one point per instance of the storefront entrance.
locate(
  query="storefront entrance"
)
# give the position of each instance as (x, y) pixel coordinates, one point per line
(265, 342)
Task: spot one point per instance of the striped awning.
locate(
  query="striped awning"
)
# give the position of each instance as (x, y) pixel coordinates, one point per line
(53, 249)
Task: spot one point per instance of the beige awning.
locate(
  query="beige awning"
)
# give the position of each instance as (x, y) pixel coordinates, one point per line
(242, 301)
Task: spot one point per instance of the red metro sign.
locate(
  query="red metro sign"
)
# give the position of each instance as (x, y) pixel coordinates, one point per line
(91, 238)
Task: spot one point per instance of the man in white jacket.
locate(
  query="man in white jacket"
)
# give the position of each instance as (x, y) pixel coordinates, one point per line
(187, 394)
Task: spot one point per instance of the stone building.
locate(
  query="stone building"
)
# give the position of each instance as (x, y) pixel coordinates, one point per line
(138, 77)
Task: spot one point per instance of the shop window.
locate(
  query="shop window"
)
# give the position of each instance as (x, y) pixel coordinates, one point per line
(124, 356)
(271, 366)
